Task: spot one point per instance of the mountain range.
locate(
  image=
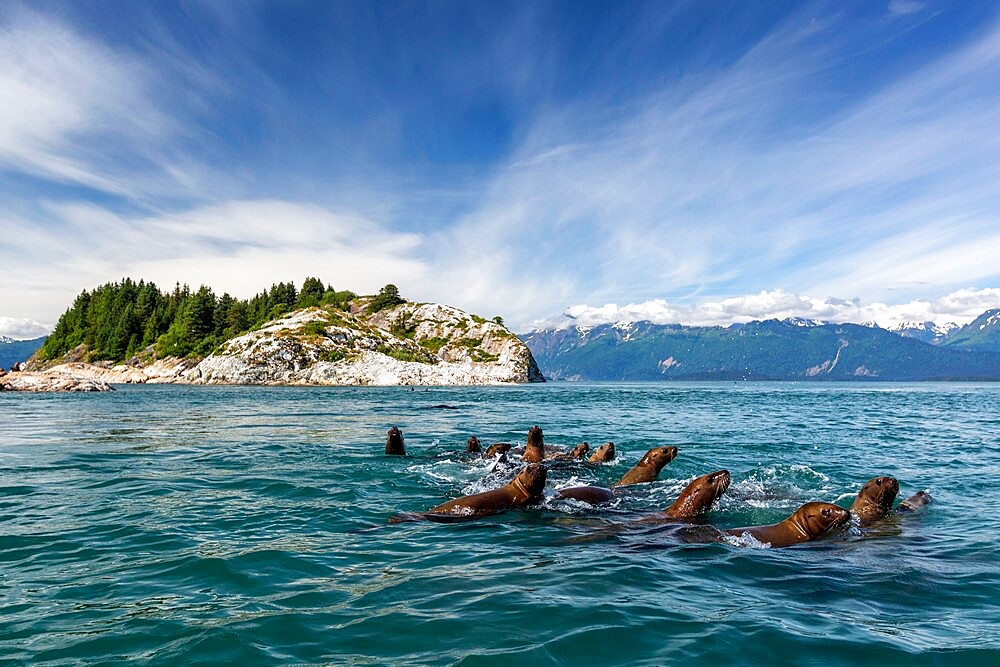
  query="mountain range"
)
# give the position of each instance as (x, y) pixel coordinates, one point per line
(13, 351)
(791, 349)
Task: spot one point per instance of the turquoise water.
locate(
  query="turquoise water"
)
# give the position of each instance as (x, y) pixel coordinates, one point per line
(184, 525)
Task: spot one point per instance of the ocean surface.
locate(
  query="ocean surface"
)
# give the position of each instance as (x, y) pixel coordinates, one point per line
(176, 525)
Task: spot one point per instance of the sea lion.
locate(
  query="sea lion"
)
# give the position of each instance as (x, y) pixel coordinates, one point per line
(649, 466)
(497, 449)
(915, 503)
(394, 443)
(809, 522)
(592, 495)
(522, 491)
(473, 446)
(699, 496)
(575, 454)
(603, 454)
(534, 452)
(875, 499)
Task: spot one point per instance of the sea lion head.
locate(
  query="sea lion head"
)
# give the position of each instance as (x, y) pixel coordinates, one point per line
(394, 442)
(816, 519)
(658, 457)
(496, 449)
(531, 480)
(580, 450)
(534, 452)
(915, 502)
(699, 496)
(473, 446)
(603, 454)
(875, 499)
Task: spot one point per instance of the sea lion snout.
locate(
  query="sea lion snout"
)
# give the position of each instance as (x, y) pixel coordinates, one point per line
(394, 442)
(604, 453)
(721, 479)
(835, 516)
(533, 478)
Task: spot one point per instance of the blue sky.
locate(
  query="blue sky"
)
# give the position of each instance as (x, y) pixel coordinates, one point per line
(703, 162)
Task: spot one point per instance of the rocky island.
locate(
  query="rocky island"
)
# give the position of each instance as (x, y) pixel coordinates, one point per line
(360, 342)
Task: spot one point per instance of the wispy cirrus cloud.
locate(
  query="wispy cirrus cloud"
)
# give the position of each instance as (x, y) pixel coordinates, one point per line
(739, 179)
(793, 157)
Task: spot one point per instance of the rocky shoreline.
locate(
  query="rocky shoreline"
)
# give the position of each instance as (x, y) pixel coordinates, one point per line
(49, 382)
(412, 344)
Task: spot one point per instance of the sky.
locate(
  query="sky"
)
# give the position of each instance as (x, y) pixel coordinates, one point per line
(549, 162)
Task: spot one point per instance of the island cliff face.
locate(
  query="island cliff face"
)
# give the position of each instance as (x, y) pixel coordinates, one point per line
(407, 344)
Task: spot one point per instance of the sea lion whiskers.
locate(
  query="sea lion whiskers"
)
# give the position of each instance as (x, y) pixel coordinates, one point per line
(649, 466)
(875, 499)
(700, 495)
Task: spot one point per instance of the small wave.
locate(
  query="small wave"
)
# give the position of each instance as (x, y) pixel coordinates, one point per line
(774, 486)
(746, 540)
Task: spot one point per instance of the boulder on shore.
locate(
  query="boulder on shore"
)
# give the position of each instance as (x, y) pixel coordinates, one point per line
(40, 382)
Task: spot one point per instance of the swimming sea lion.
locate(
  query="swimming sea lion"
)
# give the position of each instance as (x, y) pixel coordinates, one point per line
(473, 446)
(649, 466)
(534, 452)
(575, 454)
(593, 495)
(497, 449)
(525, 489)
(915, 503)
(603, 454)
(699, 496)
(394, 443)
(809, 522)
(875, 499)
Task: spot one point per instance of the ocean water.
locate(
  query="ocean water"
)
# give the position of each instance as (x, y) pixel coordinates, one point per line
(241, 525)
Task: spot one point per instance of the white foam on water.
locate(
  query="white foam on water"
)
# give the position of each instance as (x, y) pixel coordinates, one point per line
(746, 540)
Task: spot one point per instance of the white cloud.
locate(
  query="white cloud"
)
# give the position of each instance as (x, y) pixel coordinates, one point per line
(959, 307)
(905, 6)
(22, 329)
(736, 180)
(59, 93)
(726, 181)
(238, 247)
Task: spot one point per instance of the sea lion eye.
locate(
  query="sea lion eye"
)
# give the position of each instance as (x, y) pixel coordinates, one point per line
(825, 512)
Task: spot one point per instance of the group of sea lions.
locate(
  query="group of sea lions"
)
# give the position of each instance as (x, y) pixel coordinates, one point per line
(811, 521)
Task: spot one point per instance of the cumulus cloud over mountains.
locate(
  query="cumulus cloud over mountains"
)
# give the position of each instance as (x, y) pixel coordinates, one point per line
(959, 307)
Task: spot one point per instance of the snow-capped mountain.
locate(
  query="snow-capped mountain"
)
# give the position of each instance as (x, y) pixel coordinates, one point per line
(927, 332)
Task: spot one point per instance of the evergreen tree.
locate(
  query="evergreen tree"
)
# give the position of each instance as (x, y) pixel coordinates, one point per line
(311, 293)
(387, 297)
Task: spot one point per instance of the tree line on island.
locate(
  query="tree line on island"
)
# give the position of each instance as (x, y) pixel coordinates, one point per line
(120, 320)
